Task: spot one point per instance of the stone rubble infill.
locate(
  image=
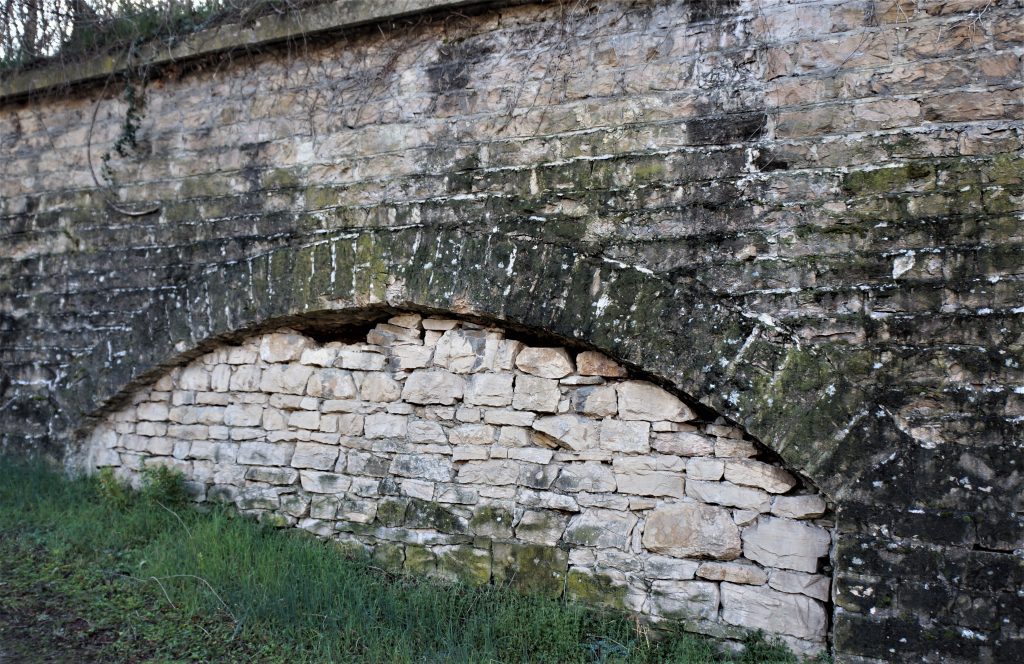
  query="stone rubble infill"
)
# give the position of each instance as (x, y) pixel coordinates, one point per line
(444, 448)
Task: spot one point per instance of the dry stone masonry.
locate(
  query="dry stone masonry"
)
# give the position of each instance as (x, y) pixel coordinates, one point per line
(443, 447)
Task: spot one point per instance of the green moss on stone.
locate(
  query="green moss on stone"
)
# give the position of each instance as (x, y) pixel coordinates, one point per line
(491, 521)
(531, 568)
(419, 560)
(464, 564)
(389, 556)
(595, 589)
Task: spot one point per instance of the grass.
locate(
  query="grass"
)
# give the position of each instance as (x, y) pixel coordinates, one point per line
(92, 572)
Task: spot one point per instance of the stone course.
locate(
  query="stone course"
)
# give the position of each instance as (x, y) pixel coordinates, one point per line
(438, 469)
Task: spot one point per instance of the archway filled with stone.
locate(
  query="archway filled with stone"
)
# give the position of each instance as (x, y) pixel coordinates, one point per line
(463, 450)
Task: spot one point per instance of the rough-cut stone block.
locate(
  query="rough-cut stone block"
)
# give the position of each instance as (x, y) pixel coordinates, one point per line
(265, 454)
(272, 475)
(787, 544)
(473, 434)
(286, 378)
(544, 362)
(733, 573)
(537, 394)
(704, 469)
(383, 425)
(428, 386)
(530, 568)
(315, 481)
(380, 387)
(432, 467)
(409, 321)
(331, 384)
(589, 476)
(728, 494)
(684, 600)
(601, 528)
(319, 357)
(812, 585)
(640, 400)
(665, 567)
(243, 415)
(532, 455)
(732, 448)
(284, 347)
(760, 607)
(315, 456)
(762, 475)
(570, 431)
(541, 527)
(155, 412)
(245, 379)
(626, 437)
(442, 324)
(497, 472)
(592, 363)
(597, 401)
(692, 530)
(360, 360)
(799, 507)
(683, 443)
(489, 389)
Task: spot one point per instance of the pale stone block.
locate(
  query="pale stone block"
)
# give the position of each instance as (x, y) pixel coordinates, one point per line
(730, 495)
(159, 446)
(599, 401)
(799, 507)
(220, 378)
(581, 380)
(194, 377)
(350, 424)
(537, 394)
(469, 453)
(412, 357)
(592, 363)
(501, 354)
(431, 337)
(417, 489)
(360, 360)
(382, 425)
(426, 432)
(489, 389)
(442, 324)
(284, 347)
(304, 419)
(323, 506)
(733, 573)
(220, 453)
(409, 321)
(329, 423)
(463, 351)
(541, 527)
(530, 498)
(684, 600)
(589, 476)
(627, 437)
(812, 585)
(357, 510)
(653, 483)
(274, 419)
(494, 472)
(210, 415)
(345, 406)
(365, 487)
(433, 467)
(473, 434)
(331, 384)
(601, 528)
(732, 448)
(611, 501)
(545, 362)
(243, 415)
(164, 384)
(380, 387)
(400, 408)
(531, 455)
(286, 378)
(152, 429)
(315, 456)
(744, 517)
(537, 476)
(182, 414)
(364, 463)
(286, 401)
(691, 530)
(724, 431)
(154, 412)
(515, 437)
(664, 567)
(704, 469)
(430, 386)
(514, 418)
(640, 400)
(246, 354)
(467, 414)
(385, 334)
(265, 454)
(272, 475)
(784, 543)
(324, 438)
(213, 398)
(315, 481)
(760, 607)
(319, 357)
(571, 431)
(647, 464)
(683, 443)
(456, 494)
(762, 475)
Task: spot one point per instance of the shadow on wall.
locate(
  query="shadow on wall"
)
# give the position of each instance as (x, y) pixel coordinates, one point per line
(447, 447)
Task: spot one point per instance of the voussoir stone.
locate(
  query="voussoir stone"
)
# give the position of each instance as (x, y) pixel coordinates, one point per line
(545, 362)
(427, 386)
(693, 531)
(785, 543)
(640, 400)
(762, 475)
(592, 363)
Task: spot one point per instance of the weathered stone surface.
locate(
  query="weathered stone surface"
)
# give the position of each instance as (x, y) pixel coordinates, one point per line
(537, 394)
(541, 527)
(755, 473)
(265, 454)
(433, 386)
(545, 362)
(431, 467)
(809, 506)
(592, 363)
(377, 386)
(733, 573)
(570, 431)
(601, 528)
(589, 476)
(684, 600)
(284, 347)
(728, 494)
(598, 401)
(691, 530)
(489, 389)
(319, 482)
(760, 607)
(683, 443)
(784, 543)
(705, 469)
(497, 472)
(629, 437)
(286, 378)
(315, 456)
(651, 483)
(640, 400)
(535, 569)
(383, 425)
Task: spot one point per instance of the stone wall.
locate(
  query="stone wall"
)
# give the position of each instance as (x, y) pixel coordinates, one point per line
(803, 216)
(445, 448)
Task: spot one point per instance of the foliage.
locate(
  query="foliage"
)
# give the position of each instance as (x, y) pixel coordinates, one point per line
(92, 576)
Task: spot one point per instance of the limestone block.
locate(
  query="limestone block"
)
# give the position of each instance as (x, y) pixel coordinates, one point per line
(704, 469)
(469, 453)
(159, 446)
(271, 474)
(220, 378)
(812, 585)
(537, 476)
(489, 389)
(357, 510)
(442, 324)
(420, 489)
(247, 354)
(515, 437)
(730, 447)
(683, 443)
(596, 401)
(243, 415)
(286, 378)
(601, 528)
(365, 463)
(457, 494)
(501, 354)
(545, 362)
(762, 475)
(684, 600)
(426, 432)
(531, 455)
(154, 412)
(331, 384)
(194, 377)
(733, 573)
(350, 424)
(383, 425)
(592, 363)
(284, 347)
(588, 476)
(314, 456)
(265, 454)
(315, 481)
(429, 386)
(245, 379)
(385, 334)
(628, 437)
(409, 357)
(604, 586)
(541, 527)
(785, 543)
(461, 351)
(209, 414)
(799, 507)
(570, 431)
(379, 387)
(473, 434)
(537, 394)
(665, 567)
(432, 467)
(409, 321)
(546, 499)
(221, 453)
(467, 414)
(651, 483)
(647, 464)
(728, 494)
(640, 400)
(319, 357)
(514, 418)
(497, 472)
(692, 530)
(360, 360)
(760, 607)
